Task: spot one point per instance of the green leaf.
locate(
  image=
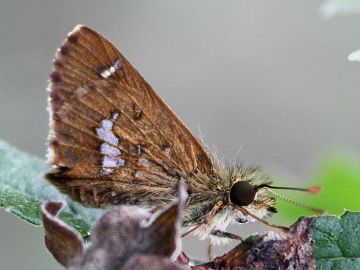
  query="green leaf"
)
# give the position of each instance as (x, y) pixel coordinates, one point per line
(23, 189)
(338, 175)
(336, 241)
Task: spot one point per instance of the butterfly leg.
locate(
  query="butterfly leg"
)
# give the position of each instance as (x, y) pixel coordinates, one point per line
(223, 234)
(210, 251)
(218, 206)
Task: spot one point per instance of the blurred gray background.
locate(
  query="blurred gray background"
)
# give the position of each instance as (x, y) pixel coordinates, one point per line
(271, 77)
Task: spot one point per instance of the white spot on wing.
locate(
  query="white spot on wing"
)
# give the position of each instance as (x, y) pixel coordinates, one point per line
(106, 73)
(107, 171)
(105, 132)
(107, 124)
(108, 148)
(168, 150)
(107, 136)
(144, 162)
(138, 174)
(115, 116)
(113, 162)
(117, 64)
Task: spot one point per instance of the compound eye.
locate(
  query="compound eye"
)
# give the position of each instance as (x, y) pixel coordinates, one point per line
(242, 193)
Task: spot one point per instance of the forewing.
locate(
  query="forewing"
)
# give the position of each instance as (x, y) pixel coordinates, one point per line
(112, 139)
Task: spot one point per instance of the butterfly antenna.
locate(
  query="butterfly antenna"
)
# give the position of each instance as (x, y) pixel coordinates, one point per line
(311, 189)
(313, 209)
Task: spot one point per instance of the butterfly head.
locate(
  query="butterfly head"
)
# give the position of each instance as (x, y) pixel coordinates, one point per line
(242, 193)
(257, 200)
(249, 195)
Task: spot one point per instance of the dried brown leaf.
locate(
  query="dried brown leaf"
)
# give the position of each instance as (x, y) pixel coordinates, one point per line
(126, 237)
(64, 243)
(284, 250)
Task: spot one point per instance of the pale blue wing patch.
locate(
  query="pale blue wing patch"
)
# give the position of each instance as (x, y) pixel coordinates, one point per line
(112, 155)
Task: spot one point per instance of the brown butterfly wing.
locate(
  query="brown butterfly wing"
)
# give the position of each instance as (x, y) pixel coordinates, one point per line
(112, 138)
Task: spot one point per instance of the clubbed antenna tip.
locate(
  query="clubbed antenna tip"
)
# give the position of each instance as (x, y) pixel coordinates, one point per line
(314, 189)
